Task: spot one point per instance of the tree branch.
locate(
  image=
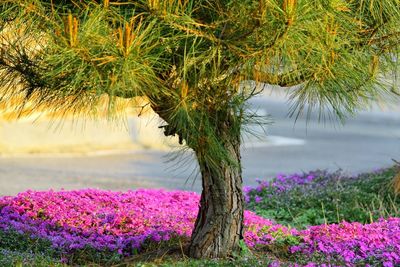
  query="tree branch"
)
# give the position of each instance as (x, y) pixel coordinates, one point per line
(287, 79)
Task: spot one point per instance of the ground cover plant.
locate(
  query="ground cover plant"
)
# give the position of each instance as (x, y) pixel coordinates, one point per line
(106, 227)
(320, 197)
(113, 224)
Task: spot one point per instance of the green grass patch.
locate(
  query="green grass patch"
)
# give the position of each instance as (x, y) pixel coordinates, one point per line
(328, 198)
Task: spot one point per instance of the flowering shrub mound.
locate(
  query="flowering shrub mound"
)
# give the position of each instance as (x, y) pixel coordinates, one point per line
(115, 221)
(353, 243)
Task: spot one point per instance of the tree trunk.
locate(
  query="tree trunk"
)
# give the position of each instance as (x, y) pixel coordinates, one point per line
(219, 225)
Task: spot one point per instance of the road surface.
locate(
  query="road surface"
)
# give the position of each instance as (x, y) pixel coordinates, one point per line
(366, 142)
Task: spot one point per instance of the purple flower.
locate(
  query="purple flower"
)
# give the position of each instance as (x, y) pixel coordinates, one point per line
(114, 221)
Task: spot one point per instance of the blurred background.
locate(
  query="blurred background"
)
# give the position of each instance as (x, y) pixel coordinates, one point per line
(39, 152)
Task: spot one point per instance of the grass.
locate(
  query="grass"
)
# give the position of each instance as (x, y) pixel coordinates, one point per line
(162, 257)
(330, 198)
(17, 249)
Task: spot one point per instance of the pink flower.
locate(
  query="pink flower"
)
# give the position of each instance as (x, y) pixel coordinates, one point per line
(113, 220)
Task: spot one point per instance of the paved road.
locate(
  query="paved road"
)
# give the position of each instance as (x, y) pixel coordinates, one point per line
(366, 142)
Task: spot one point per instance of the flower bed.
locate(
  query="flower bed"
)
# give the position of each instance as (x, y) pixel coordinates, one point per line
(115, 221)
(130, 222)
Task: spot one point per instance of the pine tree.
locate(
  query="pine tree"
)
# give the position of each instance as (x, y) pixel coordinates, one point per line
(192, 61)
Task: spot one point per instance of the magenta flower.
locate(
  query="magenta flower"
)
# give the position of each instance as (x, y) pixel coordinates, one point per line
(114, 221)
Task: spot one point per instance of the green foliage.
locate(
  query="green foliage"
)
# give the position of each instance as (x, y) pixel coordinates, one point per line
(332, 199)
(16, 248)
(245, 261)
(9, 258)
(20, 250)
(14, 241)
(191, 59)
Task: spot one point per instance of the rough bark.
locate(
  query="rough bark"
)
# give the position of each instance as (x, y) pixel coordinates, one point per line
(219, 225)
